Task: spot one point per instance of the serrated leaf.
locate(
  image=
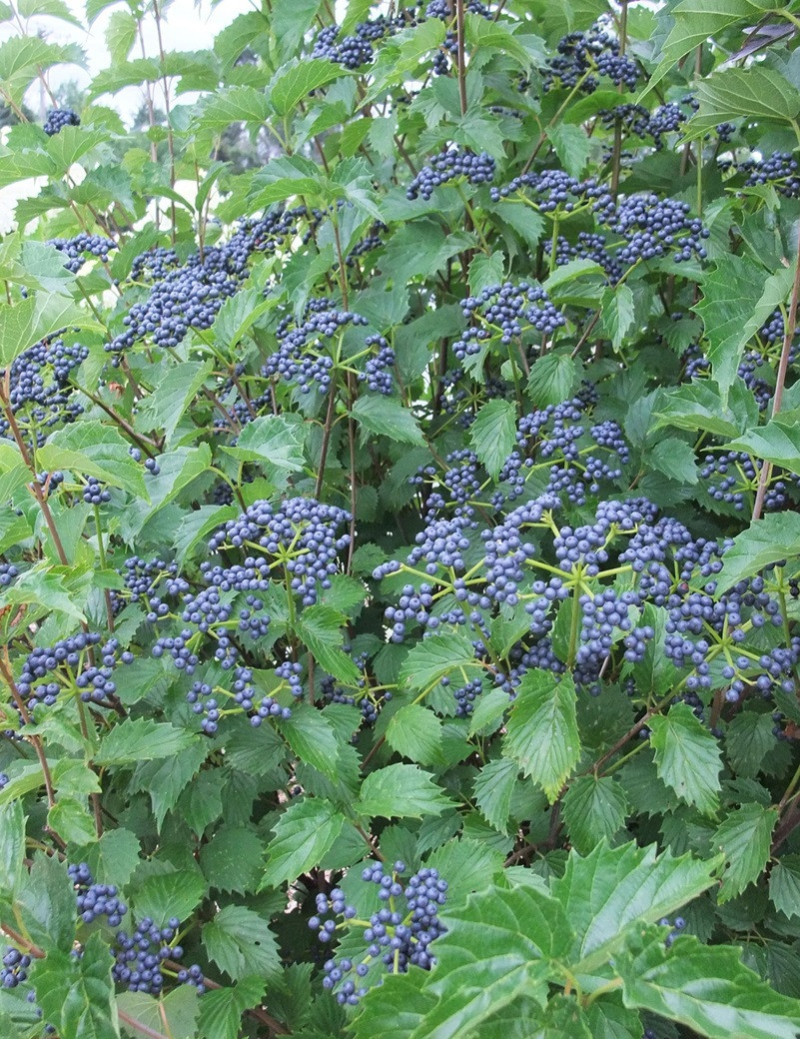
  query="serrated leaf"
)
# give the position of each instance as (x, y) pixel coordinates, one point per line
(40, 315)
(232, 860)
(744, 837)
(387, 416)
(221, 1009)
(305, 831)
(593, 808)
(675, 459)
(273, 440)
(46, 902)
(493, 788)
(170, 895)
(165, 406)
(486, 271)
(96, 450)
(239, 942)
(497, 947)
(706, 988)
(542, 731)
(76, 994)
(401, 790)
(748, 739)
(295, 82)
(165, 778)
(312, 738)
(553, 378)
(687, 757)
(756, 92)
(696, 406)
(395, 1009)
(784, 885)
(320, 628)
(416, 733)
(493, 434)
(12, 846)
(774, 537)
(173, 1014)
(435, 657)
(138, 740)
(738, 297)
(776, 442)
(610, 889)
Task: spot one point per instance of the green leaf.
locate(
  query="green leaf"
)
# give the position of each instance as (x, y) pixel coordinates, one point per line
(435, 657)
(164, 408)
(784, 885)
(610, 889)
(96, 450)
(401, 790)
(165, 778)
(497, 947)
(776, 442)
(170, 895)
(687, 757)
(296, 82)
(542, 732)
(697, 406)
(114, 857)
(320, 628)
(774, 537)
(553, 378)
(120, 35)
(72, 821)
(178, 469)
(675, 459)
(572, 146)
(290, 21)
(486, 271)
(748, 740)
(387, 416)
(493, 788)
(52, 8)
(233, 859)
(40, 315)
(706, 988)
(12, 846)
(493, 434)
(276, 440)
(172, 1015)
(416, 733)
(696, 22)
(221, 1009)
(744, 837)
(76, 994)
(756, 92)
(305, 831)
(239, 942)
(137, 740)
(312, 738)
(594, 808)
(46, 902)
(738, 297)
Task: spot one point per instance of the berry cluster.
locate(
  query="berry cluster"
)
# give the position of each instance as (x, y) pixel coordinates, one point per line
(95, 492)
(39, 383)
(506, 311)
(189, 295)
(778, 169)
(70, 666)
(82, 245)
(95, 900)
(397, 935)
(304, 349)
(654, 227)
(451, 165)
(58, 118)
(297, 538)
(357, 49)
(139, 958)
(584, 56)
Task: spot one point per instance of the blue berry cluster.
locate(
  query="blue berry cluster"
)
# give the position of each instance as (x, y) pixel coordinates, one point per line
(451, 165)
(95, 900)
(14, 970)
(590, 246)
(58, 118)
(779, 169)
(584, 56)
(71, 665)
(83, 244)
(95, 492)
(397, 935)
(357, 49)
(40, 393)
(139, 958)
(654, 227)
(505, 311)
(298, 537)
(305, 348)
(189, 295)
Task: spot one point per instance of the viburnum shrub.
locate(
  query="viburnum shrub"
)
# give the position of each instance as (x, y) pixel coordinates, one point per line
(399, 532)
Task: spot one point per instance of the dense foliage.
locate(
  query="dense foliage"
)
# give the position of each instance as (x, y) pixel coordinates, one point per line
(399, 543)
